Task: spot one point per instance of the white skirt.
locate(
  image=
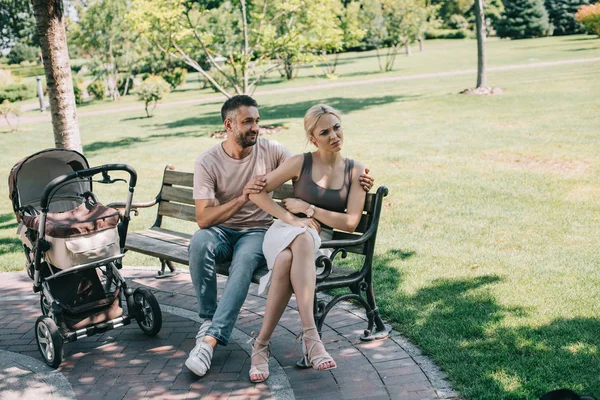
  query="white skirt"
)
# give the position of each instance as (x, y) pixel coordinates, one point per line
(278, 238)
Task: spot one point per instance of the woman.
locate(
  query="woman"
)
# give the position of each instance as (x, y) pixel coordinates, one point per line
(325, 184)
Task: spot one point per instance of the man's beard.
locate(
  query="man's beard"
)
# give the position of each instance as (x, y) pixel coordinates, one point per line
(244, 141)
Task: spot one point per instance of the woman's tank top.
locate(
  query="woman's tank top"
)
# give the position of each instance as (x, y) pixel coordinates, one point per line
(330, 199)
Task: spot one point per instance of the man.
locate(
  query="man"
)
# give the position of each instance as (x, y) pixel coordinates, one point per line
(232, 227)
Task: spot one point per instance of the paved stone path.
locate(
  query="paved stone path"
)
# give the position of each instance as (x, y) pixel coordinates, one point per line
(126, 364)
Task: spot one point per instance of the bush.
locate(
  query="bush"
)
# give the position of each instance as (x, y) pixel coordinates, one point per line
(25, 72)
(589, 16)
(175, 78)
(562, 16)
(17, 92)
(524, 19)
(447, 34)
(77, 92)
(22, 52)
(457, 21)
(153, 89)
(97, 89)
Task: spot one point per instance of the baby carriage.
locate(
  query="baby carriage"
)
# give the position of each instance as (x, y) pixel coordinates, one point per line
(74, 247)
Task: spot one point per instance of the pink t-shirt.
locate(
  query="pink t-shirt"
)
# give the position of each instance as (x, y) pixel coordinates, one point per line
(218, 176)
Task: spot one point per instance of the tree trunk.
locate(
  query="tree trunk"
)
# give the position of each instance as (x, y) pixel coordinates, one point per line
(289, 68)
(481, 37)
(421, 40)
(53, 42)
(407, 48)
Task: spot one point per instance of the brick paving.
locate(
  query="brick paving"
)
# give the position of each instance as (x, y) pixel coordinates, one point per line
(124, 363)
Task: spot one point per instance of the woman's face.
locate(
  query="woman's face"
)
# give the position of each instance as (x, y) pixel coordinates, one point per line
(328, 133)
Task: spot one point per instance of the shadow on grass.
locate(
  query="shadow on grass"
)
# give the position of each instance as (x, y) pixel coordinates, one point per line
(6, 217)
(10, 245)
(133, 118)
(346, 105)
(581, 39)
(461, 324)
(213, 118)
(130, 141)
(581, 49)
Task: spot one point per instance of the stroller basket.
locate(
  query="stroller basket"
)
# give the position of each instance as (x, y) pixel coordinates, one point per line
(83, 299)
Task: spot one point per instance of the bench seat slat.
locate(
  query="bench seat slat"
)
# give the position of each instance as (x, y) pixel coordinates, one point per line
(172, 246)
(147, 242)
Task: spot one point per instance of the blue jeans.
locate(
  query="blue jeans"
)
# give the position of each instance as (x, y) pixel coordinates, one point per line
(215, 245)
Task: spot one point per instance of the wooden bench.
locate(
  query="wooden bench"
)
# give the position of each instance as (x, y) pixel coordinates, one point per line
(175, 201)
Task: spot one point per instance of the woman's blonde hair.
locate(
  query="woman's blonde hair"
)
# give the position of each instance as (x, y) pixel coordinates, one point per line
(312, 116)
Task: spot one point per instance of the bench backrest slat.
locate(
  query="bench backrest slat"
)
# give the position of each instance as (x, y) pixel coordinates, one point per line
(178, 178)
(177, 194)
(178, 211)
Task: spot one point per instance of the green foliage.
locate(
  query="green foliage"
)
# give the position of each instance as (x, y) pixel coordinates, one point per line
(448, 8)
(524, 19)
(448, 34)
(98, 89)
(589, 16)
(17, 92)
(396, 23)
(17, 23)
(77, 91)
(24, 72)
(457, 21)
(153, 89)
(562, 16)
(176, 77)
(23, 52)
(104, 36)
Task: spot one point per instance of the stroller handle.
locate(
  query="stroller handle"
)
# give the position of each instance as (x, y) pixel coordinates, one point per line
(85, 173)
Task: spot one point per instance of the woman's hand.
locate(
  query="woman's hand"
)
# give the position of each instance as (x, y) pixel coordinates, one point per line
(306, 222)
(295, 206)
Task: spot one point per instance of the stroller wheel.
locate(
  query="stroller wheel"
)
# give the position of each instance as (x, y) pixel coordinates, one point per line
(50, 343)
(148, 314)
(45, 305)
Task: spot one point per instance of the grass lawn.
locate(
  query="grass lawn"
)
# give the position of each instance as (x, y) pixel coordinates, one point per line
(488, 254)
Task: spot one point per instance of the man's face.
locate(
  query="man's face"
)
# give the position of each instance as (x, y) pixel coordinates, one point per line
(244, 126)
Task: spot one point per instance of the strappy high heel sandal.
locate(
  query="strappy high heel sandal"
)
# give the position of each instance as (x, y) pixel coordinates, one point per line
(260, 372)
(319, 360)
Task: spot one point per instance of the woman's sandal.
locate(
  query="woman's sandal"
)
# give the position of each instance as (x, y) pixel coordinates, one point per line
(260, 372)
(317, 361)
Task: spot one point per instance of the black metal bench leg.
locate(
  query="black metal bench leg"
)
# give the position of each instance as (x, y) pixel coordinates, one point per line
(381, 330)
(164, 274)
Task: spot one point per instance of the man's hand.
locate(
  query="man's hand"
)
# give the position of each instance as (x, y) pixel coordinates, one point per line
(256, 185)
(295, 206)
(366, 181)
(307, 222)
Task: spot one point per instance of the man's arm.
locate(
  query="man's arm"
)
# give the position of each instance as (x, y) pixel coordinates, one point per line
(208, 213)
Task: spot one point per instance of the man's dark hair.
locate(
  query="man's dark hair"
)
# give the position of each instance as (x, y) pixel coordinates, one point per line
(235, 102)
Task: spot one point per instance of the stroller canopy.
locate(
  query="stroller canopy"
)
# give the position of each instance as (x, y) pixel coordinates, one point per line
(29, 177)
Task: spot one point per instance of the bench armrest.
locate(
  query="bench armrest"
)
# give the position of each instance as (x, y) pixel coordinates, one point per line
(135, 206)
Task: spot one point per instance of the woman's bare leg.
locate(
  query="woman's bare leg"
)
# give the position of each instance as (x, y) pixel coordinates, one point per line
(303, 277)
(279, 295)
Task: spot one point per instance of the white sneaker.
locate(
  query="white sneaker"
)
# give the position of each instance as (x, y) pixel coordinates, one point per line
(200, 358)
(202, 331)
